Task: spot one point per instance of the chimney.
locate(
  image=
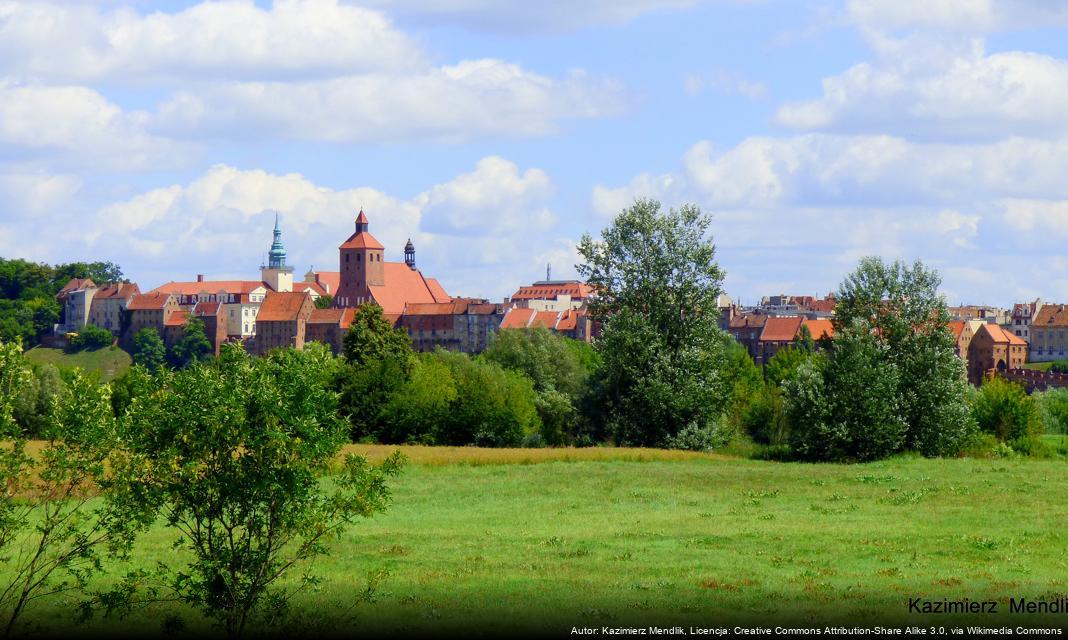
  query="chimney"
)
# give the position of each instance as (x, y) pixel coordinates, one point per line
(200, 277)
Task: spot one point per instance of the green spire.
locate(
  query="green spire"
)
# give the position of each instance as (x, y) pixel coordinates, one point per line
(277, 254)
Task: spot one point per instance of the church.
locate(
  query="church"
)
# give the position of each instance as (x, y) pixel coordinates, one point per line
(364, 275)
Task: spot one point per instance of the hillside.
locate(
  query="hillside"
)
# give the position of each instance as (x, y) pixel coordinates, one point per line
(108, 362)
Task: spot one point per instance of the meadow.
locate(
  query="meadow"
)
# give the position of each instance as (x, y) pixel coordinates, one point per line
(543, 540)
(108, 362)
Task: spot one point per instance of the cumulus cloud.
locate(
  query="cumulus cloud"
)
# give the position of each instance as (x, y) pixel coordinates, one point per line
(454, 103)
(231, 39)
(547, 16)
(78, 126)
(609, 201)
(935, 92)
(722, 81)
(482, 232)
(493, 199)
(30, 195)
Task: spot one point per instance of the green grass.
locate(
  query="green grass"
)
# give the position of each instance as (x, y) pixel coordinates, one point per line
(109, 362)
(708, 541)
(1038, 366)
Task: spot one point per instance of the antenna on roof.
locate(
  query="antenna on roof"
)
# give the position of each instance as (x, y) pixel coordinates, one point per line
(548, 271)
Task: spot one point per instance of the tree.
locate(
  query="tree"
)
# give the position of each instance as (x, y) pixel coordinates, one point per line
(193, 346)
(372, 337)
(324, 302)
(51, 528)
(656, 284)
(901, 307)
(148, 349)
(1004, 410)
(235, 454)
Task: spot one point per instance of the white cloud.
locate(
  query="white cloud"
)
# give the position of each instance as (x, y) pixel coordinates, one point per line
(958, 15)
(493, 199)
(29, 195)
(1041, 216)
(925, 91)
(448, 104)
(481, 233)
(608, 201)
(227, 39)
(546, 16)
(78, 126)
(723, 81)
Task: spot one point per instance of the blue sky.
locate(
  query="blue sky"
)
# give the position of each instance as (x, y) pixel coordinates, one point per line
(164, 135)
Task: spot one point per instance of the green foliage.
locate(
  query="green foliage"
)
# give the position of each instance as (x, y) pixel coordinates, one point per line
(559, 368)
(234, 454)
(148, 349)
(891, 382)
(365, 390)
(764, 416)
(702, 438)
(37, 400)
(418, 410)
(662, 352)
(51, 532)
(91, 337)
(783, 365)
(193, 346)
(324, 302)
(28, 306)
(372, 338)
(1053, 405)
(1059, 366)
(1004, 409)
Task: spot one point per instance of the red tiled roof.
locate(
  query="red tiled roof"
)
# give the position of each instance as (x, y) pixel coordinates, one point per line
(362, 218)
(1052, 315)
(1000, 335)
(568, 321)
(212, 286)
(748, 321)
(545, 319)
(957, 327)
(781, 329)
(820, 328)
(207, 308)
(403, 286)
(550, 290)
(329, 280)
(74, 285)
(361, 240)
(152, 301)
(177, 319)
(325, 316)
(310, 286)
(517, 318)
(282, 306)
(437, 290)
(116, 290)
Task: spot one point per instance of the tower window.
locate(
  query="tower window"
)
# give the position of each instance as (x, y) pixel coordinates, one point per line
(358, 257)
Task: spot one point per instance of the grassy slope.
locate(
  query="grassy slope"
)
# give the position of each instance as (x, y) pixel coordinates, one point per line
(702, 541)
(109, 362)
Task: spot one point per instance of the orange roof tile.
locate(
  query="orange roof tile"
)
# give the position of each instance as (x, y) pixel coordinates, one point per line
(152, 301)
(1052, 315)
(119, 290)
(550, 290)
(748, 320)
(329, 281)
(325, 316)
(957, 327)
(517, 318)
(361, 240)
(437, 290)
(568, 321)
(545, 319)
(282, 306)
(212, 286)
(820, 328)
(402, 286)
(176, 319)
(310, 286)
(781, 329)
(207, 308)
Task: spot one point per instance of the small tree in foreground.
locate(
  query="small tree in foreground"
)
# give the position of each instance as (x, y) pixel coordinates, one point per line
(235, 455)
(50, 533)
(1004, 410)
(148, 349)
(193, 346)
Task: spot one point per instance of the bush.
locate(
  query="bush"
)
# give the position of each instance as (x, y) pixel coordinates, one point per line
(91, 337)
(1053, 405)
(1005, 410)
(764, 419)
(702, 437)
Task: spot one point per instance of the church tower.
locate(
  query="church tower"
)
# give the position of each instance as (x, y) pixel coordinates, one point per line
(361, 267)
(275, 273)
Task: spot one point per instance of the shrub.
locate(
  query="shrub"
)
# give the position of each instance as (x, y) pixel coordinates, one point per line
(1005, 410)
(764, 419)
(148, 349)
(1053, 405)
(702, 437)
(91, 337)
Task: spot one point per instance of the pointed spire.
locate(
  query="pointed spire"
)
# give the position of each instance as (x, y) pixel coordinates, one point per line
(276, 257)
(361, 222)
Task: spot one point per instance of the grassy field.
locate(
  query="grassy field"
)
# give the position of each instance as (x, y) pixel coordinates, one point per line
(109, 362)
(503, 540)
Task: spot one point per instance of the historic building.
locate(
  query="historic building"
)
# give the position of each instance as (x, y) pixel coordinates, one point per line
(283, 320)
(552, 295)
(329, 326)
(1049, 333)
(365, 276)
(150, 310)
(109, 305)
(994, 349)
(1024, 315)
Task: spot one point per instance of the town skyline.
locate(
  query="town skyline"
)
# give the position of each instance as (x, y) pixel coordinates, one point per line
(162, 135)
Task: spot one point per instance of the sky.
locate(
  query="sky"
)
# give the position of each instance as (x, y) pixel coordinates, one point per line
(165, 136)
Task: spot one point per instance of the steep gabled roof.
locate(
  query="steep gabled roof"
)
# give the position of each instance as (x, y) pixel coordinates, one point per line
(517, 318)
(820, 328)
(282, 306)
(151, 301)
(403, 286)
(781, 329)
